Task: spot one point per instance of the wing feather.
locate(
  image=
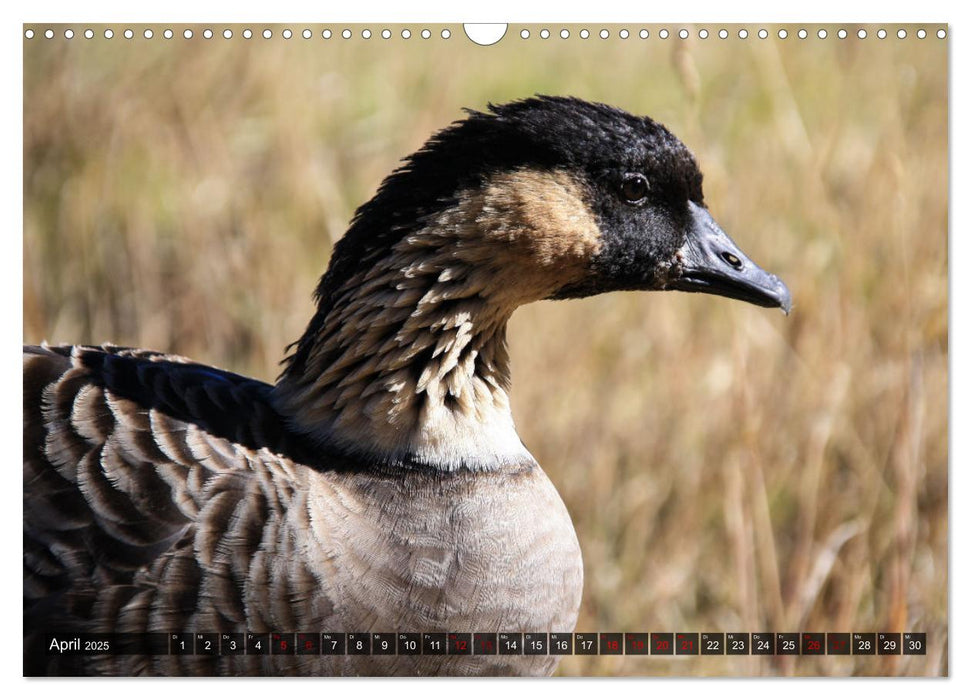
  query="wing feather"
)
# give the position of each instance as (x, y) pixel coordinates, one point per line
(153, 499)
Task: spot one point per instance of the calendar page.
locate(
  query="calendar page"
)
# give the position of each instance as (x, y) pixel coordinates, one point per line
(485, 350)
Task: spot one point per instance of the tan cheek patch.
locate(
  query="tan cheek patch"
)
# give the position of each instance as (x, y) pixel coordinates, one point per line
(538, 224)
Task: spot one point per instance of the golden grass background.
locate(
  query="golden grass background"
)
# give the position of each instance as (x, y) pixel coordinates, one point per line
(727, 468)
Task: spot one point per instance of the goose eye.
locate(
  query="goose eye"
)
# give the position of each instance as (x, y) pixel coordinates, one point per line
(634, 188)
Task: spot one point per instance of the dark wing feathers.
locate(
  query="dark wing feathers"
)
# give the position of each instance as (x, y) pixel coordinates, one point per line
(140, 497)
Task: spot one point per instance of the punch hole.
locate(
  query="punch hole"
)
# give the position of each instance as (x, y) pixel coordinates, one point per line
(207, 34)
(446, 34)
(148, 34)
(227, 34)
(288, 34)
(326, 34)
(68, 33)
(109, 33)
(267, 33)
(29, 33)
(129, 34)
(524, 34)
(623, 33)
(901, 33)
(487, 34)
(821, 34)
(385, 33)
(247, 33)
(584, 33)
(941, 34)
(564, 33)
(643, 34)
(425, 34)
(664, 34)
(783, 33)
(544, 34)
(604, 33)
(803, 34)
(366, 34)
(168, 34)
(722, 33)
(881, 34)
(306, 34)
(763, 34)
(89, 33)
(703, 33)
(743, 33)
(921, 34)
(346, 34)
(683, 34)
(861, 34)
(405, 33)
(841, 33)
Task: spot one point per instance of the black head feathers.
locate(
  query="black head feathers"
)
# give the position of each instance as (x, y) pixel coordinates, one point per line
(588, 138)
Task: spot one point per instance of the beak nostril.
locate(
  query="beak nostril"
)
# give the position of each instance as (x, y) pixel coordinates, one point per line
(732, 260)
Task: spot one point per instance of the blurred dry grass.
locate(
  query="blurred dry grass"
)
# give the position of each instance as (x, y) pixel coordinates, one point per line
(728, 469)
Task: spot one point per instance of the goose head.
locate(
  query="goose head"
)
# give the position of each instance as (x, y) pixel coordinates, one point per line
(567, 197)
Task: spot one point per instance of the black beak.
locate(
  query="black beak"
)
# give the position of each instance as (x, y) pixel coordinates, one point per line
(713, 264)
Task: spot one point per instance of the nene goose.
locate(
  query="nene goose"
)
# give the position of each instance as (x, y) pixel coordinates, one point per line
(380, 484)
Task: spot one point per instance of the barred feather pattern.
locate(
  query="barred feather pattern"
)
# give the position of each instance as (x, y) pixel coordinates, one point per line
(164, 496)
(408, 355)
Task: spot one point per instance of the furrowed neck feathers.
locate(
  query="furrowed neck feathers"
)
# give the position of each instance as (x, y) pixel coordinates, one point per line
(406, 360)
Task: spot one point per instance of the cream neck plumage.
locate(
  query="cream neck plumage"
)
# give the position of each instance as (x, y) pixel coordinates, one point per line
(409, 362)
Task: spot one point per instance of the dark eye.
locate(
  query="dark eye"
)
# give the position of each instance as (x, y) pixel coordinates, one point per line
(634, 188)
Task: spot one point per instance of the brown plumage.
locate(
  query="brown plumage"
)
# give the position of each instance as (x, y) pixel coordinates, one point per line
(161, 526)
(380, 485)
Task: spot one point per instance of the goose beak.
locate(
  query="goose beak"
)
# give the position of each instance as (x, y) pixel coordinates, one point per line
(713, 264)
